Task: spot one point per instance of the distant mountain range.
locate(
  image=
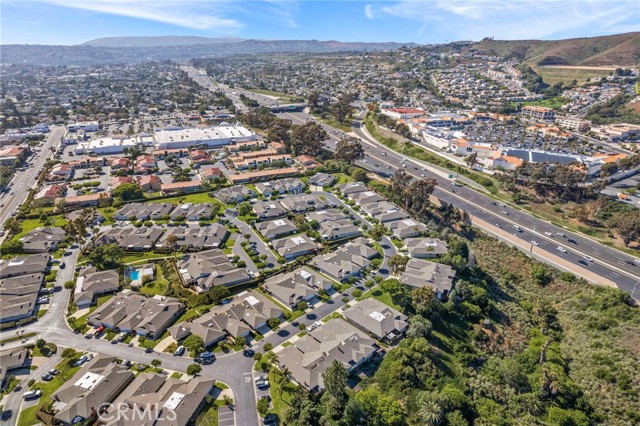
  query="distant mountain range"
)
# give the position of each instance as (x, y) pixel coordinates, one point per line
(112, 50)
(158, 41)
(612, 50)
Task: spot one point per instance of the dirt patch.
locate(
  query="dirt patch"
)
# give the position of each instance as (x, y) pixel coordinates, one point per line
(578, 67)
(633, 106)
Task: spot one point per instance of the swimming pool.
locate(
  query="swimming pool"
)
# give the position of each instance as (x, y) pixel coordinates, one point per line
(134, 275)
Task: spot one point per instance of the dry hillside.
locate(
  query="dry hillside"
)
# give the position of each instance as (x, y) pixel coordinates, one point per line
(614, 50)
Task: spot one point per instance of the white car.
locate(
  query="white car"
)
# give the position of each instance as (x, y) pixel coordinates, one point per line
(548, 234)
(562, 249)
(587, 258)
(535, 243)
(33, 394)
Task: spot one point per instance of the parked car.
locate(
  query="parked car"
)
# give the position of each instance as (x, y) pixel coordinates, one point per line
(54, 372)
(47, 377)
(33, 394)
(179, 351)
(81, 361)
(262, 384)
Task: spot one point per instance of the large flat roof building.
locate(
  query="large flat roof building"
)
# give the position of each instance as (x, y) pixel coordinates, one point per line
(211, 137)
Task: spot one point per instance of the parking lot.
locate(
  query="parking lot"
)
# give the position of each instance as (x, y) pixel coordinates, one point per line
(226, 416)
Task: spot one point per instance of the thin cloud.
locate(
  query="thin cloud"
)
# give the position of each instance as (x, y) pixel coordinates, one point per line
(520, 19)
(198, 15)
(285, 10)
(368, 12)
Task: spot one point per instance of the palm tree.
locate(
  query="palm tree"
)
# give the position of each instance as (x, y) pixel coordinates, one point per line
(285, 374)
(430, 412)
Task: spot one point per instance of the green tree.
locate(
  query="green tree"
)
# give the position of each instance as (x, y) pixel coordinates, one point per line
(419, 327)
(273, 322)
(41, 343)
(263, 407)
(156, 362)
(398, 263)
(303, 411)
(430, 413)
(349, 150)
(69, 285)
(128, 191)
(334, 399)
(194, 369)
(194, 343)
(107, 256)
(307, 139)
(540, 274)
(378, 409)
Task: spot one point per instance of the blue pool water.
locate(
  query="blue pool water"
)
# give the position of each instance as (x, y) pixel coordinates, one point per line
(135, 275)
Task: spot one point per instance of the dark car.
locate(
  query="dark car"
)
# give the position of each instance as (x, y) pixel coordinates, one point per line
(572, 241)
(148, 350)
(47, 377)
(248, 352)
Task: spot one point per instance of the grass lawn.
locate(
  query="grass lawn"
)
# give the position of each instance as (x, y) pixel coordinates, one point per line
(29, 225)
(136, 257)
(152, 343)
(158, 286)
(334, 123)
(382, 296)
(555, 103)
(283, 97)
(176, 375)
(202, 197)
(342, 178)
(28, 415)
(552, 75)
(193, 312)
(208, 416)
(282, 391)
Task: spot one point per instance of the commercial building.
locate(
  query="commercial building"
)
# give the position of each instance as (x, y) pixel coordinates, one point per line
(573, 123)
(538, 112)
(210, 137)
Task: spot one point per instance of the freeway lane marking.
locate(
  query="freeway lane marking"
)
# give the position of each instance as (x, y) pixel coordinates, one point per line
(493, 214)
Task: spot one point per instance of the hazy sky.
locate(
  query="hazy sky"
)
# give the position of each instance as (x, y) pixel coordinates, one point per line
(425, 21)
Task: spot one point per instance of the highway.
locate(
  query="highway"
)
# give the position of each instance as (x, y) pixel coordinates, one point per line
(586, 254)
(23, 181)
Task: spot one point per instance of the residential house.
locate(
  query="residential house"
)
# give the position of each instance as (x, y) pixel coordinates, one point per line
(194, 238)
(130, 311)
(92, 283)
(24, 265)
(210, 173)
(303, 203)
(144, 211)
(334, 225)
(423, 273)
(48, 194)
(180, 187)
(97, 383)
(262, 175)
(12, 359)
(81, 201)
(145, 164)
(426, 248)
(377, 319)
(210, 268)
(309, 163)
(120, 163)
(407, 228)
(347, 189)
(42, 240)
(199, 157)
(59, 172)
(311, 355)
(268, 210)
(385, 211)
(19, 295)
(273, 229)
(235, 194)
(322, 179)
(290, 185)
(171, 402)
(347, 261)
(296, 246)
(193, 212)
(290, 288)
(150, 183)
(132, 239)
